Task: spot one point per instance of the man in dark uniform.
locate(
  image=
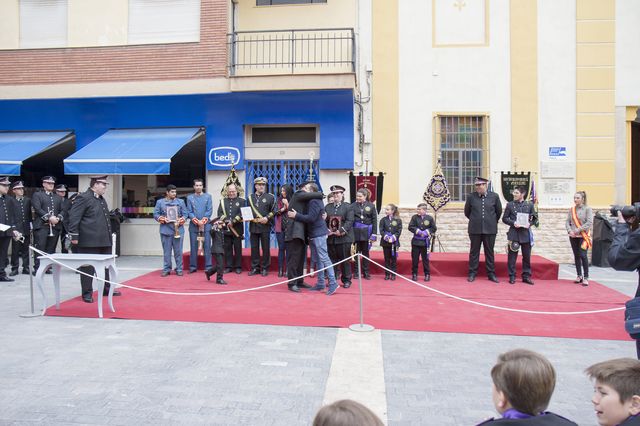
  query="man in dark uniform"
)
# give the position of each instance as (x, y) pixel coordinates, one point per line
(263, 206)
(483, 209)
(20, 249)
(61, 190)
(90, 230)
(340, 238)
(518, 235)
(295, 236)
(8, 218)
(365, 228)
(229, 211)
(48, 218)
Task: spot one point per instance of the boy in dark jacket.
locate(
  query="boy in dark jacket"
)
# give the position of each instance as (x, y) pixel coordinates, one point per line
(423, 227)
(217, 250)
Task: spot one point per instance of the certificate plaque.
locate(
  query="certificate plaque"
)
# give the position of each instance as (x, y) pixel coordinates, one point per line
(522, 219)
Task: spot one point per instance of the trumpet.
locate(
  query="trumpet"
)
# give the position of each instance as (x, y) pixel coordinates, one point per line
(200, 239)
(176, 229)
(50, 226)
(18, 236)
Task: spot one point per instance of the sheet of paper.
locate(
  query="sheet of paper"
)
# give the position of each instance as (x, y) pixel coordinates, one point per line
(247, 213)
(4, 227)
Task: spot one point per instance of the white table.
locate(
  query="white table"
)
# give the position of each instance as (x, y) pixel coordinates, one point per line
(76, 260)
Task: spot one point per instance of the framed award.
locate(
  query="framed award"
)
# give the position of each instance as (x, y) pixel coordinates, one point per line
(172, 214)
(335, 223)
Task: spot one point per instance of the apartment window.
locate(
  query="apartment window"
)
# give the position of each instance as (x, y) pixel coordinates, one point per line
(43, 23)
(462, 144)
(283, 135)
(164, 21)
(276, 2)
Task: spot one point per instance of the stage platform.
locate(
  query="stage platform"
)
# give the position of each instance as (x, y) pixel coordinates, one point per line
(442, 264)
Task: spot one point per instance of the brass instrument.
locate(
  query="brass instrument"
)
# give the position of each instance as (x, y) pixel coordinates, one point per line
(200, 239)
(176, 227)
(51, 234)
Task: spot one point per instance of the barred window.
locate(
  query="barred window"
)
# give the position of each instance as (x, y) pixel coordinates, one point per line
(462, 145)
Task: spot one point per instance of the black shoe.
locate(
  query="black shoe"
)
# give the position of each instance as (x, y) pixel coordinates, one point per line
(115, 293)
(253, 272)
(471, 278)
(264, 273)
(280, 273)
(393, 277)
(347, 284)
(165, 273)
(208, 274)
(221, 281)
(304, 285)
(25, 271)
(512, 280)
(87, 298)
(387, 276)
(527, 280)
(427, 277)
(179, 273)
(13, 273)
(493, 278)
(367, 276)
(5, 279)
(294, 288)
(192, 271)
(238, 270)
(414, 277)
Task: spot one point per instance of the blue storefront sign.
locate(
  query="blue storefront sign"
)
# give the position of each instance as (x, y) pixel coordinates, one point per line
(557, 151)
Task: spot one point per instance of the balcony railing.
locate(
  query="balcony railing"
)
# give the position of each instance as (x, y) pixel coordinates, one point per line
(292, 51)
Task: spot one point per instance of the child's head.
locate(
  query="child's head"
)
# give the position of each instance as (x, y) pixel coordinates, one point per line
(346, 413)
(523, 380)
(616, 393)
(391, 209)
(422, 208)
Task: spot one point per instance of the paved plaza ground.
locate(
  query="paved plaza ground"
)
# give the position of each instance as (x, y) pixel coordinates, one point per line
(71, 371)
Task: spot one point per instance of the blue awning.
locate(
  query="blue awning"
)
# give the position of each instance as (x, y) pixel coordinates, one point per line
(130, 152)
(16, 147)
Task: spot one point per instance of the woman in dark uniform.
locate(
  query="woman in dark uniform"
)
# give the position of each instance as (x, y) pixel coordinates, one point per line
(390, 230)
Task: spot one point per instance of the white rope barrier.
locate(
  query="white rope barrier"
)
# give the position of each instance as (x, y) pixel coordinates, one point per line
(175, 293)
(218, 293)
(500, 308)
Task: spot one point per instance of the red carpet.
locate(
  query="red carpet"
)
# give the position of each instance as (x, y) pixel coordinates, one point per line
(395, 305)
(442, 264)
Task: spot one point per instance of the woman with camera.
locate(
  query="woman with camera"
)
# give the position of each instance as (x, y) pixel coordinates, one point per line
(579, 222)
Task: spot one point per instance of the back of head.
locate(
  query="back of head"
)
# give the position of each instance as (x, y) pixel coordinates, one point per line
(526, 378)
(622, 375)
(346, 413)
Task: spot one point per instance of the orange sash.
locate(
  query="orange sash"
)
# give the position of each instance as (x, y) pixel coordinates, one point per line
(586, 235)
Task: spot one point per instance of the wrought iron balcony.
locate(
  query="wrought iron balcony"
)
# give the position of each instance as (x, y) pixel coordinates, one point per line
(318, 51)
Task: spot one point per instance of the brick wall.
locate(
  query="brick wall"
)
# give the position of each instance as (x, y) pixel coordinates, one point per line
(206, 59)
(551, 240)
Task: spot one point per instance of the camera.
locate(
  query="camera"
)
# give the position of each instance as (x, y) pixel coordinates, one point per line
(627, 211)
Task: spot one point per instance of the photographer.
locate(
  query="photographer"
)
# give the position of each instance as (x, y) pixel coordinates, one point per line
(624, 254)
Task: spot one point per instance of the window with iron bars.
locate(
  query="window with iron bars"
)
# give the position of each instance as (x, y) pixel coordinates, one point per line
(462, 145)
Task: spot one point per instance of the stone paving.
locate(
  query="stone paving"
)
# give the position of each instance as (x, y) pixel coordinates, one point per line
(71, 371)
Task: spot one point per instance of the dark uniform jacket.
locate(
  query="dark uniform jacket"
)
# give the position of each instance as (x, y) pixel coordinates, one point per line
(296, 229)
(262, 206)
(483, 212)
(520, 235)
(229, 209)
(365, 214)
(217, 240)
(422, 223)
(23, 215)
(392, 226)
(47, 205)
(631, 421)
(89, 221)
(548, 419)
(345, 212)
(8, 214)
(624, 253)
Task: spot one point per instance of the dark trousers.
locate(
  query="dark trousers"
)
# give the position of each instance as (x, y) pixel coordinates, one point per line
(390, 261)
(42, 241)
(488, 241)
(512, 256)
(338, 252)
(20, 250)
(282, 250)
(363, 247)
(85, 281)
(4, 255)
(219, 268)
(296, 251)
(63, 234)
(263, 239)
(233, 251)
(416, 253)
(580, 257)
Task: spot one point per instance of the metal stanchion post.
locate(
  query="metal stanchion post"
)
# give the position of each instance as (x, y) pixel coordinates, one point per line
(31, 314)
(361, 326)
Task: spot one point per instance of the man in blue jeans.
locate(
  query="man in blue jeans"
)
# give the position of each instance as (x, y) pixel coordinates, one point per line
(317, 232)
